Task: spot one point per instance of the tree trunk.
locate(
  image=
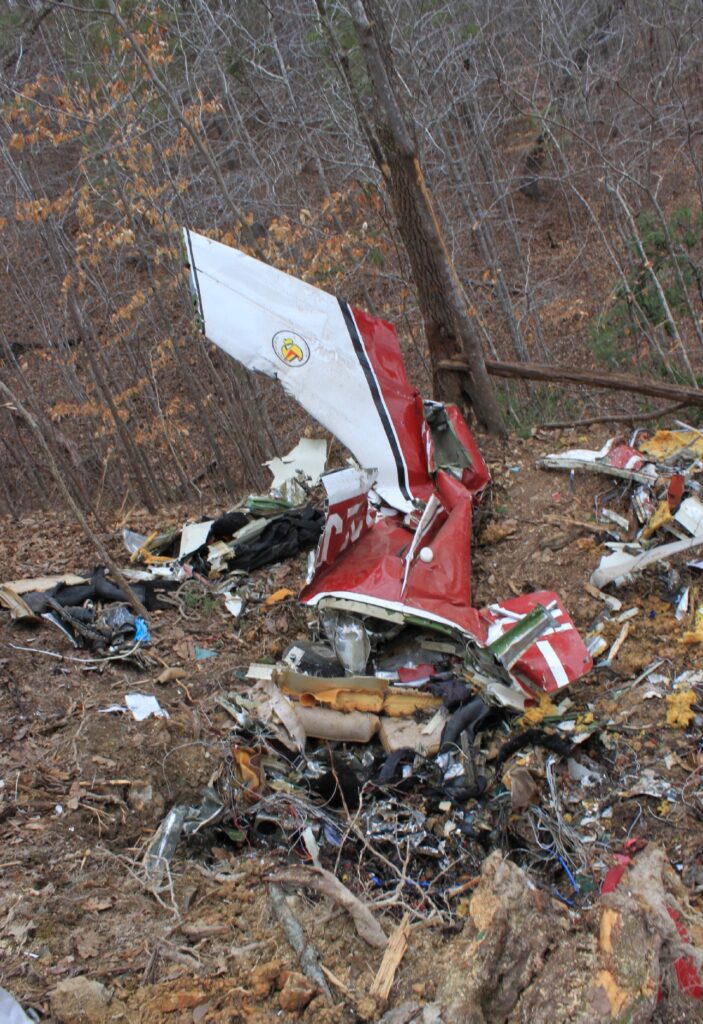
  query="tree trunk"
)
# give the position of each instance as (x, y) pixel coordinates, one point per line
(448, 323)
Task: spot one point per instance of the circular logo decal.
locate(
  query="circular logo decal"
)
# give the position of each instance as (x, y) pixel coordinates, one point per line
(290, 348)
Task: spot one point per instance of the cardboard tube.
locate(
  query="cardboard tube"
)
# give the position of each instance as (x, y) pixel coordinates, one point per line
(324, 724)
(343, 700)
(297, 682)
(397, 733)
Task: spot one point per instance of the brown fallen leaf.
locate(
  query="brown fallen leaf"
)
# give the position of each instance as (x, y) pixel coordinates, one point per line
(169, 675)
(87, 944)
(104, 762)
(524, 789)
(498, 531)
(94, 905)
(196, 930)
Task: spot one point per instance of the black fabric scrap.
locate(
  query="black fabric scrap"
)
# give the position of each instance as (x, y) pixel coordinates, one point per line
(452, 691)
(80, 614)
(227, 525)
(98, 588)
(339, 787)
(280, 539)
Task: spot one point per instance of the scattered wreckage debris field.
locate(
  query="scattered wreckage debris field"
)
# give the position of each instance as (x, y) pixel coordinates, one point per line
(84, 794)
(412, 738)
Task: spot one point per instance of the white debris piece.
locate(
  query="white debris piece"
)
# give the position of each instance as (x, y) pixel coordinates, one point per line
(619, 567)
(690, 515)
(144, 705)
(193, 536)
(305, 463)
(234, 605)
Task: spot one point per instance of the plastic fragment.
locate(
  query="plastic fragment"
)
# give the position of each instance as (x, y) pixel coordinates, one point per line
(203, 653)
(350, 642)
(193, 536)
(163, 846)
(695, 636)
(682, 604)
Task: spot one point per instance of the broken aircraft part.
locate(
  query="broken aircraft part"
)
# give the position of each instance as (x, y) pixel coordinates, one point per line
(396, 544)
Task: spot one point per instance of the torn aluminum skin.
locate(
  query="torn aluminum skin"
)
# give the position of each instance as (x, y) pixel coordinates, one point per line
(397, 539)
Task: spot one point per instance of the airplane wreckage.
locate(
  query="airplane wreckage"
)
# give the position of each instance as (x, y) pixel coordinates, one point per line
(396, 545)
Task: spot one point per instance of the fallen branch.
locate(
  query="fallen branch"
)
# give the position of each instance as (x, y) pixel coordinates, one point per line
(587, 378)
(634, 417)
(325, 883)
(308, 956)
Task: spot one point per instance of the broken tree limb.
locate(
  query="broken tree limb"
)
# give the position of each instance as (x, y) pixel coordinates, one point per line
(586, 378)
(633, 417)
(328, 884)
(308, 956)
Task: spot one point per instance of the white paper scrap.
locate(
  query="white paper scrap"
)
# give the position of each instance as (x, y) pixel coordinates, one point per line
(144, 705)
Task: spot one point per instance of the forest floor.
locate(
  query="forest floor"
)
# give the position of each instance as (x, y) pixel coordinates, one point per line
(76, 811)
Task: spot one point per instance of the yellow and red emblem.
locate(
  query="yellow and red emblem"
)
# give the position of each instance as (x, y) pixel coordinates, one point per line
(290, 348)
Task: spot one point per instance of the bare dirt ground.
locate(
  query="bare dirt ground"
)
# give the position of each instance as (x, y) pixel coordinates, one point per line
(82, 792)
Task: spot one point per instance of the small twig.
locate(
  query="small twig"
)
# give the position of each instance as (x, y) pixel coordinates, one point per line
(338, 983)
(98, 815)
(219, 876)
(150, 967)
(129, 866)
(307, 955)
(249, 948)
(170, 952)
(458, 890)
